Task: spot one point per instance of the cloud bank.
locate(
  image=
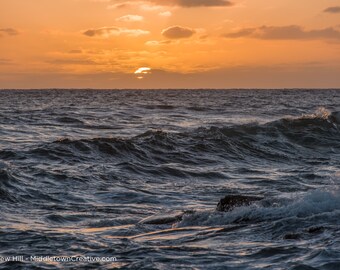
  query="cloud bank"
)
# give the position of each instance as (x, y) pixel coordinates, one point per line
(292, 32)
(304, 76)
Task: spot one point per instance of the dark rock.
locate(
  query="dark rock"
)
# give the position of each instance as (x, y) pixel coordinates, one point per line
(229, 202)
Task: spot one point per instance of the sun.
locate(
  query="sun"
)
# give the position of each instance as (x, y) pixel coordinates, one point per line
(142, 71)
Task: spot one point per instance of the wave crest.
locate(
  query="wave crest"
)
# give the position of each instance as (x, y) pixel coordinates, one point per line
(312, 205)
(281, 140)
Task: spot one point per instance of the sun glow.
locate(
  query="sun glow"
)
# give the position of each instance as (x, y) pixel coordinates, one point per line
(141, 72)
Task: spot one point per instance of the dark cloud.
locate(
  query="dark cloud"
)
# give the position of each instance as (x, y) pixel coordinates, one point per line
(9, 31)
(285, 33)
(333, 9)
(181, 3)
(177, 32)
(101, 31)
(201, 3)
(114, 31)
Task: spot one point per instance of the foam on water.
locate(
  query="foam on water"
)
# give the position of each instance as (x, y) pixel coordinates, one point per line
(298, 206)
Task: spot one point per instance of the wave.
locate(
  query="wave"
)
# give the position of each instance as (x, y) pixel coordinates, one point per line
(283, 140)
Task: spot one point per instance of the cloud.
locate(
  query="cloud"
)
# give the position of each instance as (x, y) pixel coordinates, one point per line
(158, 43)
(165, 14)
(71, 62)
(333, 9)
(201, 3)
(130, 18)
(192, 3)
(155, 4)
(9, 31)
(292, 32)
(5, 61)
(176, 32)
(75, 51)
(241, 33)
(144, 5)
(107, 32)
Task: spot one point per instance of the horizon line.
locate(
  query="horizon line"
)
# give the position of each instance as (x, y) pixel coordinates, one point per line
(167, 89)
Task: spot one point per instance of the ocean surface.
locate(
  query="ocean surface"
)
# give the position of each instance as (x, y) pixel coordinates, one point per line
(137, 175)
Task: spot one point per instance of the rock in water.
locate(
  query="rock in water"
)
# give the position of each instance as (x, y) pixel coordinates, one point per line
(229, 202)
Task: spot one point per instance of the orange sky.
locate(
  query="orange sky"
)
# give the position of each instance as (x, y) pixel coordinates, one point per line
(169, 43)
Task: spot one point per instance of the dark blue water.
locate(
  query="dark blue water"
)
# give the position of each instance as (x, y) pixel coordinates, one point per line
(137, 175)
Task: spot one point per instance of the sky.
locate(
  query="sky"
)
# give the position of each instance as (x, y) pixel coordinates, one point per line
(169, 44)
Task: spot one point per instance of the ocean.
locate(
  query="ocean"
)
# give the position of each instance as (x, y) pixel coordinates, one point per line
(130, 179)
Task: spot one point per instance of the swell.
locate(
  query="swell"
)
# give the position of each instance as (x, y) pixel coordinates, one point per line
(284, 140)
